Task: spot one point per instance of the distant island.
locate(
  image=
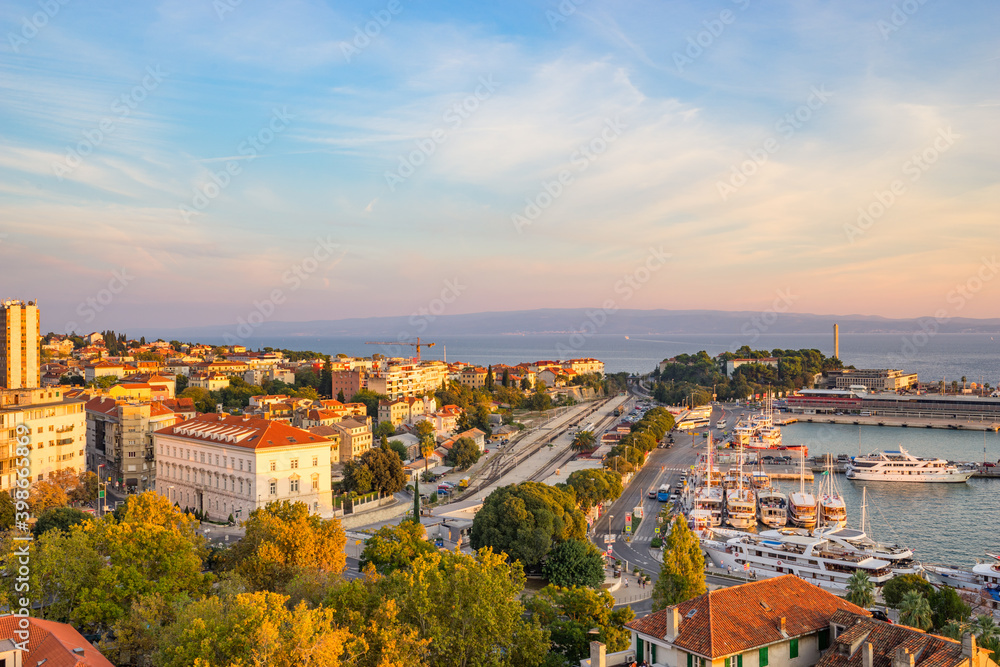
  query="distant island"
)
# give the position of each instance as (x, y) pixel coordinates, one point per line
(621, 322)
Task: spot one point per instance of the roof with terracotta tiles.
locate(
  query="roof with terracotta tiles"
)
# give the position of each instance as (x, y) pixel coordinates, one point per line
(885, 638)
(248, 432)
(740, 618)
(53, 643)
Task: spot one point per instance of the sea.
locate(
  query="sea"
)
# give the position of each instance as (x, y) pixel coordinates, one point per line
(943, 523)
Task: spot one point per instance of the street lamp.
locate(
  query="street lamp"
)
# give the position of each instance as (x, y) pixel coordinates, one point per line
(100, 505)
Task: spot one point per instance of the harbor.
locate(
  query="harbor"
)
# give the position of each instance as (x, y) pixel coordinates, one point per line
(901, 422)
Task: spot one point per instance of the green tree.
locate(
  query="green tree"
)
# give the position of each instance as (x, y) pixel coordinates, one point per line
(401, 451)
(570, 614)
(894, 589)
(574, 563)
(283, 539)
(682, 576)
(395, 547)
(946, 606)
(424, 431)
(915, 611)
(6, 511)
(469, 609)
(180, 383)
(593, 486)
(384, 429)
(86, 489)
(326, 379)
(59, 518)
(464, 453)
(860, 590)
(370, 399)
(583, 441)
(489, 378)
(525, 521)
(340, 396)
(385, 468)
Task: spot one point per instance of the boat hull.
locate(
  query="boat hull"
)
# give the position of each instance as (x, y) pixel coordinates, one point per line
(926, 478)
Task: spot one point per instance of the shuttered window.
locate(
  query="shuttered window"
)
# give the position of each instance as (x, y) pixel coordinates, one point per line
(793, 649)
(762, 659)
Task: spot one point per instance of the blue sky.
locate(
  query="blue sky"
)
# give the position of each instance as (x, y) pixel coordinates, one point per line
(213, 153)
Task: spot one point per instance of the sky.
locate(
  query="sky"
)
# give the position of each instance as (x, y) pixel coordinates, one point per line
(193, 162)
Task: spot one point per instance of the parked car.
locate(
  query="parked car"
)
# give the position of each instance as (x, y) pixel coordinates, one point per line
(767, 459)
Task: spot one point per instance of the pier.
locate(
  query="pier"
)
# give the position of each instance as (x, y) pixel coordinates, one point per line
(904, 422)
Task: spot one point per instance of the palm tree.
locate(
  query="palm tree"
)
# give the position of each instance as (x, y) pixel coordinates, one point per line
(582, 441)
(984, 628)
(915, 610)
(860, 590)
(954, 630)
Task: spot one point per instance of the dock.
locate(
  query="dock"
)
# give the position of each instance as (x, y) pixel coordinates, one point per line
(903, 422)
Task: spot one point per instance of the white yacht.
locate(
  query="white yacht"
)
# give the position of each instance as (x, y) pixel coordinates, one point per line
(740, 512)
(901, 466)
(827, 559)
(772, 508)
(832, 510)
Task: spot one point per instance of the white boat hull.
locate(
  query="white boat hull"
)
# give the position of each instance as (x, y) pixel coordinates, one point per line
(947, 478)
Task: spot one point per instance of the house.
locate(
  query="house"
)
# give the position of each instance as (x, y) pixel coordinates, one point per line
(209, 381)
(473, 377)
(777, 622)
(355, 438)
(94, 371)
(861, 641)
(46, 643)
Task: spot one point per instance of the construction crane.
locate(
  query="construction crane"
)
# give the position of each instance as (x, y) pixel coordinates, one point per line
(417, 345)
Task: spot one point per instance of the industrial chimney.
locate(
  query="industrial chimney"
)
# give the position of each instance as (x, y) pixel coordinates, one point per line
(836, 341)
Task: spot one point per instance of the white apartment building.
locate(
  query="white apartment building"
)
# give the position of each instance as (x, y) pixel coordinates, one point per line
(58, 432)
(226, 464)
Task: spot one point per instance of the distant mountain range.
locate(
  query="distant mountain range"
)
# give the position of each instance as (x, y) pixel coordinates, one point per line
(565, 320)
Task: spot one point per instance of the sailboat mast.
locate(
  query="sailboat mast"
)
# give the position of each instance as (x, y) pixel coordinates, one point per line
(864, 508)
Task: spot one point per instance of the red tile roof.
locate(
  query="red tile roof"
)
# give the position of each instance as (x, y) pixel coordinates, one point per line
(248, 432)
(740, 618)
(53, 643)
(927, 650)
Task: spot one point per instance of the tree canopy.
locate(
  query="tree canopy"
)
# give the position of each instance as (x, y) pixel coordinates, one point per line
(283, 539)
(574, 563)
(593, 486)
(393, 548)
(525, 521)
(569, 614)
(464, 454)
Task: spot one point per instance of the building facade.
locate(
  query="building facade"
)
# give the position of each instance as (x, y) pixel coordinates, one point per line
(225, 464)
(58, 432)
(119, 440)
(20, 345)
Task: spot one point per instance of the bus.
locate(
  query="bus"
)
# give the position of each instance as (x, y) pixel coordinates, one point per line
(663, 495)
(689, 424)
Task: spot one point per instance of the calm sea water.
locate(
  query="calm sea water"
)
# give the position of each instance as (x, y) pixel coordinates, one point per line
(944, 523)
(945, 356)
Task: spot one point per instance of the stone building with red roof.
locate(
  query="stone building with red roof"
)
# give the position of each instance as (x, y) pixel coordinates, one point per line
(777, 622)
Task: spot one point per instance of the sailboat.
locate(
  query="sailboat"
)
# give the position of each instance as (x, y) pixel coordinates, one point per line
(801, 504)
(707, 505)
(740, 512)
(772, 505)
(832, 509)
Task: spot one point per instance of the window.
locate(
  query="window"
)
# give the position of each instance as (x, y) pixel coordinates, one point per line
(203, 457)
(793, 649)
(824, 639)
(274, 466)
(216, 463)
(762, 659)
(241, 464)
(315, 485)
(739, 660)
(294, 464)
(274, 488)
(293, 486)
(690, 660)
(315, 461)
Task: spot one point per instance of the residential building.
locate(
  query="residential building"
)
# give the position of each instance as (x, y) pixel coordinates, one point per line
(59, 347)
(349, 382)
(119, 438)
(473, 377)
(861, 641)
(102, 368)
(553, 377)
(355, 437)
(316, 417)
(584, 366)
(401, 380)
(473, 434)
(209, 381)
(404, 410)
(93, 338)
(20, 344)
(58, 432)
(733, 364)
(226, 464)
(48, 643)
(777, 622)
